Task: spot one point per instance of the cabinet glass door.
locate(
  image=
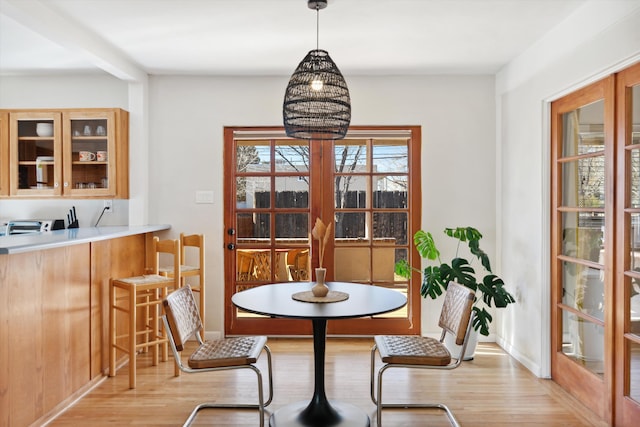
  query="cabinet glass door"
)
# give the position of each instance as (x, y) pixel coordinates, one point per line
(35, 159)
(4, 154)
(89, 154)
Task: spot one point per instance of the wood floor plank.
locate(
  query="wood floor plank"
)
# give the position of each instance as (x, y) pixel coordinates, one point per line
(491, 390)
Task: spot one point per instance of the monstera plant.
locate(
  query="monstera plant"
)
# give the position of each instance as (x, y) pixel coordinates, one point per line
(489, 288)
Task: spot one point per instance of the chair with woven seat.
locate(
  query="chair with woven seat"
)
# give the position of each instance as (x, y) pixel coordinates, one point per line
(182, 321)
(411, 351)
(194, 243)
(143, 294)
(298, 264)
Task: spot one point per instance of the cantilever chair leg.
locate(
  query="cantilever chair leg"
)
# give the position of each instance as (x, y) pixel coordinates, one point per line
(261, 405)
(416, 352)
(376, 396)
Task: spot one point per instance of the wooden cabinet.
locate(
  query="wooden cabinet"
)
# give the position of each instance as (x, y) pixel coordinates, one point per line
(4, 153)
(45, 331)
(71, 153)
(54, 323)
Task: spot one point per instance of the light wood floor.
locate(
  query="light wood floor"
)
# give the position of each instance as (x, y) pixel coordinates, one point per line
(491, 390)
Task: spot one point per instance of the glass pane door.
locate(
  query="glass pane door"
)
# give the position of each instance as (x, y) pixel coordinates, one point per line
(371, 181)
(272, 211)
(627, 338)
(583, 235)
(276, 188)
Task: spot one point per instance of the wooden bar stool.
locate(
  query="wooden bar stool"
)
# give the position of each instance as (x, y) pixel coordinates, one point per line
(142, 294)
(196, 242)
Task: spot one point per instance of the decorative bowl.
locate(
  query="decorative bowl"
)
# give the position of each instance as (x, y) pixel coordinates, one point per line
(44, 129)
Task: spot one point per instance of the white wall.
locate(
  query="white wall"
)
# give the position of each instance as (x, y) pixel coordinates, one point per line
(64, 91)
(187, 116)
(602, 37)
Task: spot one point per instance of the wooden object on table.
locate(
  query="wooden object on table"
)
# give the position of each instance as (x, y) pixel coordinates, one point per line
(413, 351)
(195, 241)
(182, 323)
(144, 293)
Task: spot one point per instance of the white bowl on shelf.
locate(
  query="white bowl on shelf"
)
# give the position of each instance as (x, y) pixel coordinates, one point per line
(44, 129)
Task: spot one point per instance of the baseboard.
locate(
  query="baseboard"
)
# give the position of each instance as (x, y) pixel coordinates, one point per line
(69, 401)
(524, 360)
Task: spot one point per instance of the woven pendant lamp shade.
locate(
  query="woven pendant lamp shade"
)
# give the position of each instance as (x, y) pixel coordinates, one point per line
(316, 102)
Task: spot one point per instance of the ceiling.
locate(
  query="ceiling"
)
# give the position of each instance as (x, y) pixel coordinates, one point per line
(270, 37)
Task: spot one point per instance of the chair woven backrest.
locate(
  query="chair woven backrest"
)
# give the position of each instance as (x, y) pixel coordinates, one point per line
(181, 310)
(456, 310)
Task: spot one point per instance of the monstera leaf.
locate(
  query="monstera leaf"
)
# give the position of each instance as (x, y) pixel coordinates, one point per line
(493, 290)
(432, 283)
(459, 271)
(482, 320)
(435, 278)
(425, 245)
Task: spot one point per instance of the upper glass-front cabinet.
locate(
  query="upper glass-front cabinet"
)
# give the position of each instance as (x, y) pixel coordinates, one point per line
(35, 141)
(76, 153)
(89, 158)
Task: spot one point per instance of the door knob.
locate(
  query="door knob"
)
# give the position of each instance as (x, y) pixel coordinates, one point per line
(231, 246)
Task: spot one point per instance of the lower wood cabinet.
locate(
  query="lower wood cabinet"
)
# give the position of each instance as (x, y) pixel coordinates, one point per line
(54, 323)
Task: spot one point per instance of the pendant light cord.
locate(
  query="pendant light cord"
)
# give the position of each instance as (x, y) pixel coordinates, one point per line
(317, 27)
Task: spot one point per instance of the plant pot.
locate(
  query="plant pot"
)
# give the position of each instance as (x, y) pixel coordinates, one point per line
(470, 351)
(320, 289)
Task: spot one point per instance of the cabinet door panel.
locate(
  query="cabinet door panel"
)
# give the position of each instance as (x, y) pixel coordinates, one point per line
(4, 153)
(35, 157)
(89, 153)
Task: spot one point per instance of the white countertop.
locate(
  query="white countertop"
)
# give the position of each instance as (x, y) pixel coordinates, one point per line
(58, 238)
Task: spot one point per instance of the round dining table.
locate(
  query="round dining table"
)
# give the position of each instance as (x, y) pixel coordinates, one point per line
(276, 300)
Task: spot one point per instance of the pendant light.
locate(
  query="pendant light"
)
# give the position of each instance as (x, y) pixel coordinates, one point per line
(316, 102)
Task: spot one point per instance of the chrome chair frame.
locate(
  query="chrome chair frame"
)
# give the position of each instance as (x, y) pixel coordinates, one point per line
(261, 405)
(376, 397)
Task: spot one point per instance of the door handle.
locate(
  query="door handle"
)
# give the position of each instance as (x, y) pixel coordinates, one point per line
(231, 246)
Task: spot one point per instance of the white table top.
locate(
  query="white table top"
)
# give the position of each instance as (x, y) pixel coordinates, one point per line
(275, 300)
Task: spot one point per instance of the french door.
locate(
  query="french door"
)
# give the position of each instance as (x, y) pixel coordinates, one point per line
(627, 288)
(595, 252)
(366, 185)
(582, 244)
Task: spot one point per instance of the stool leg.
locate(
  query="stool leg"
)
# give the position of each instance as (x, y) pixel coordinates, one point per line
(153, 326)
(161, 329)
(112, 329)
(132, 337)
(145, 310)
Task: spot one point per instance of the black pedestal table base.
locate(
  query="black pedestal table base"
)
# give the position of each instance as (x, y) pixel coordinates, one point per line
(348, 416)
(319, 412)
(275, 300)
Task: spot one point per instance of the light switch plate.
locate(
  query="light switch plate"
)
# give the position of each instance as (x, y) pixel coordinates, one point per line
(204, 196)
